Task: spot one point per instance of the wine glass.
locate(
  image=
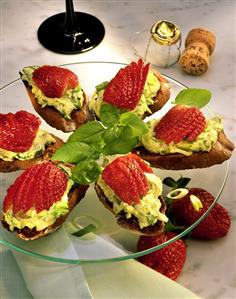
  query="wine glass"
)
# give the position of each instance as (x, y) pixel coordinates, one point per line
(71, 32)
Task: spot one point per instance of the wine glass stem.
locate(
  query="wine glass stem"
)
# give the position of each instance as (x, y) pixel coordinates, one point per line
(70, 18)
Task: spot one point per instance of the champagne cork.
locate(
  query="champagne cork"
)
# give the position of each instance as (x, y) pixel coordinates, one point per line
(200, 44)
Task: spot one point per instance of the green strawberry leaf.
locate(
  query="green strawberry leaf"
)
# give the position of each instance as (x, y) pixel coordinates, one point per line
(194, 97)
(183, 182)
(169, 226)
(168, 181)
(180, 183)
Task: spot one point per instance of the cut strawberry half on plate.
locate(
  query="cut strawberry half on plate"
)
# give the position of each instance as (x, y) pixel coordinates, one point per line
(38, 187)
(18, 131)
(180, 123)
(125, 176)
(125, 89)
(54, 81)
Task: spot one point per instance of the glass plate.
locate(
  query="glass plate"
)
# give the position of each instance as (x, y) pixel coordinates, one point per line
(109, 242)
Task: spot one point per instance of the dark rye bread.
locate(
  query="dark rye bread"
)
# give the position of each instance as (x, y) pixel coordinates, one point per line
(55, 119)
(219, 153)
(9, 166)
(75, 195)
(132, 223)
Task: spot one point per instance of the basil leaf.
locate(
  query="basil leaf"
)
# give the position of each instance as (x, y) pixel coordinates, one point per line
(101, 86)
(111, 134)
(120, 146)
(138, 126)
(73, 152)
(88, 133)
(193, 97)
(85, 230)
(109, 115)
(86, 172)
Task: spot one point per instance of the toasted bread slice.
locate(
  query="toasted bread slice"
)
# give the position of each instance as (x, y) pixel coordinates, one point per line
(55, 119)
(162, 96)
(132, 223)
(8, 166)
(219, 153)
(75, 195)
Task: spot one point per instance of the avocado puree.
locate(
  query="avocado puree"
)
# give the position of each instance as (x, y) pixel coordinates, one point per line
(203, 143)
(71, 100)
(40, 220)
(148, 211)
(151, 88)
(41, 140)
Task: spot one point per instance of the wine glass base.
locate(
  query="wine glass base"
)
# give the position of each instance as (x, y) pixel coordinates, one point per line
(88, 33)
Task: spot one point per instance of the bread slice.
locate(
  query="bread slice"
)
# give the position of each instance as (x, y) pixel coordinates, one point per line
(8, 166)
(162, 96)
(55, 119)
(132, 223)
(219, 153)
(75, 195)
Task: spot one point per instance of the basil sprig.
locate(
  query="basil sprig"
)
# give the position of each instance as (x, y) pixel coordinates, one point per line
(194, 97)
(115, 133)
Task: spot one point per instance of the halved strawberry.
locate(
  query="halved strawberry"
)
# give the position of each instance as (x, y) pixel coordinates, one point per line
(179, 123)
(37, 187)
(169, 260)
(215, 225)
(18, 131)
(125, 175)
(54, 81)
(125, 89)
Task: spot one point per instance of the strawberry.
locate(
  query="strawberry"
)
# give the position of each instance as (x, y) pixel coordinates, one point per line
(37, 187)
(125, 176)
(54, 81)
(125, 89)
(215, 225)
(169, 260)
(18, 131)
(179, 123)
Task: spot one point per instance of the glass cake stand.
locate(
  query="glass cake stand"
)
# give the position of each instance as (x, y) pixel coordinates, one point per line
(109, 242)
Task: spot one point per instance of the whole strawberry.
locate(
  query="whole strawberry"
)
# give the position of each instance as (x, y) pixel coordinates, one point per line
(169, 260)
(215, 225)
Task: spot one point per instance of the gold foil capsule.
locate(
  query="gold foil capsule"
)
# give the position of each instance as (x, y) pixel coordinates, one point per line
(164, 44)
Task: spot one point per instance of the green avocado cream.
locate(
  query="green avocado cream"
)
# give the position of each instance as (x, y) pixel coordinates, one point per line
(41, 140)
(148, 211)
(40, 220)
(151, 88)
(71, 100)
(203, 143)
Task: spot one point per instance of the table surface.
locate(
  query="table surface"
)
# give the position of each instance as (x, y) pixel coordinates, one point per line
(210, 267)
